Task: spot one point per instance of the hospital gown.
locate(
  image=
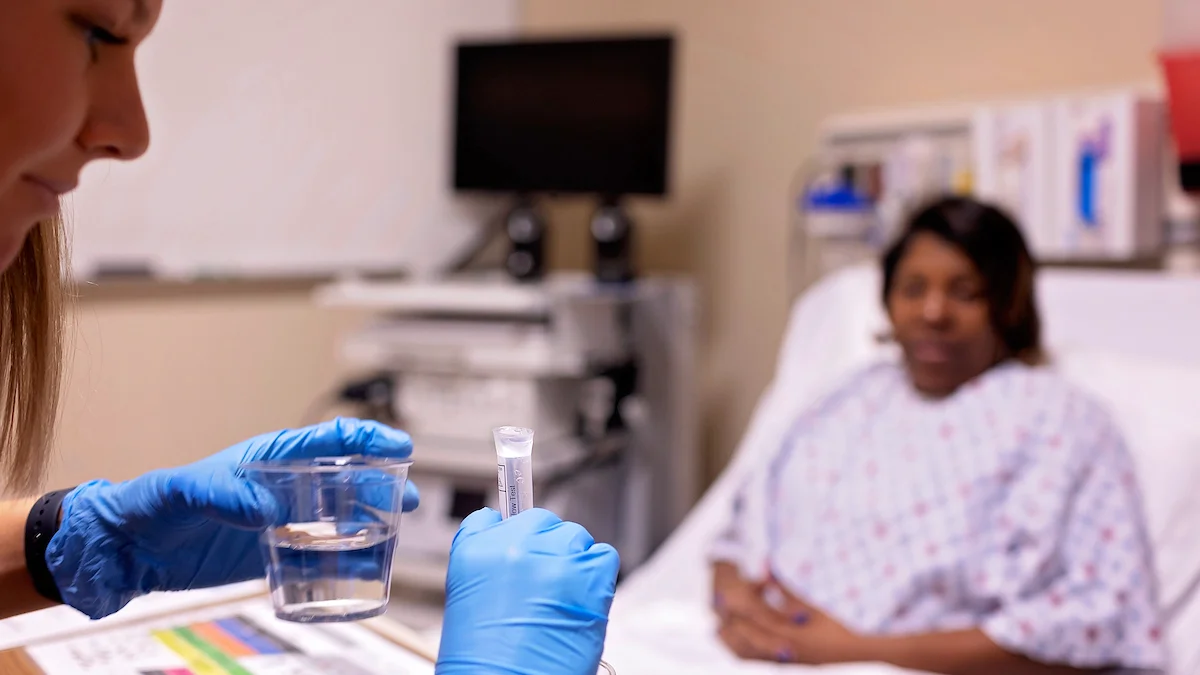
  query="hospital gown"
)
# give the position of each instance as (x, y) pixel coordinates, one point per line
(1011, 506)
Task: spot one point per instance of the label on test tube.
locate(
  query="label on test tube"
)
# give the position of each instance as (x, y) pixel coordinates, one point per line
(514, 469)
(509, 504)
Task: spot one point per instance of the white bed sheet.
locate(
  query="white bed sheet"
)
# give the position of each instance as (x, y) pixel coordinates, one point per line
(1134, 338)
(678, 637)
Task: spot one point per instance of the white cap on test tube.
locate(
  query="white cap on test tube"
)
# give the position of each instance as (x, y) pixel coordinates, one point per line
(513, 441)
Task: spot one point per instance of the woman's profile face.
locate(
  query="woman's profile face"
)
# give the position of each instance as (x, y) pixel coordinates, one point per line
(940, 316)
(68, 96)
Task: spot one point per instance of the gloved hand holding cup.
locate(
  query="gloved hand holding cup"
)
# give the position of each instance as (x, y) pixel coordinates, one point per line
(197, 526)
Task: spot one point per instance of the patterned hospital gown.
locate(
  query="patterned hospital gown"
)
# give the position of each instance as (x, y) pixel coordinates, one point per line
(1012, 507)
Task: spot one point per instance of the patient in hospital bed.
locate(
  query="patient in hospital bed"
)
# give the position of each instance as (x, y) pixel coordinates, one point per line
(963, 510)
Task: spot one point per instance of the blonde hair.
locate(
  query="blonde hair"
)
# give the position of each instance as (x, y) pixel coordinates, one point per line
(32, 327)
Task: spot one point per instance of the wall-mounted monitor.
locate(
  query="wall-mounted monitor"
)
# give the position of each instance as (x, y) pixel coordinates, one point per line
(578, 115)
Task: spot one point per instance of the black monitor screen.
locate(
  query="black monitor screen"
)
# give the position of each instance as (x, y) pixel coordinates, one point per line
(582, 116)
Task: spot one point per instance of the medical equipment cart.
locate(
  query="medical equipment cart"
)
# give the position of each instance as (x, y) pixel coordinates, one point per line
(603, 373)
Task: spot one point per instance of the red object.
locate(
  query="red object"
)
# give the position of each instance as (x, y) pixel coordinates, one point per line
(1182, 71)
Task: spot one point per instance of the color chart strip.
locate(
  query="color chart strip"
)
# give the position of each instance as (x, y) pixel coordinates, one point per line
(248, 635)
(283, 646)
(227, 663)
(214, 647)
(219, 638)
(196, 659)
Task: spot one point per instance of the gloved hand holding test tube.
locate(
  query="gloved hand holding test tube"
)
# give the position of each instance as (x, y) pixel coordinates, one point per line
(514, 479)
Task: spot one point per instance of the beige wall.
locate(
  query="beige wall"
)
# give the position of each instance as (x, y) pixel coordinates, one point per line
(166, 375)
(757, 78)
(163, 376)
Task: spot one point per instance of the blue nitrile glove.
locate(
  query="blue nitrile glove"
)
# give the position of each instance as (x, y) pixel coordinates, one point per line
(192, 527)
(526, 596)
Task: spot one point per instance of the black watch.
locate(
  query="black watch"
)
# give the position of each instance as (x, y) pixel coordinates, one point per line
(40, 527)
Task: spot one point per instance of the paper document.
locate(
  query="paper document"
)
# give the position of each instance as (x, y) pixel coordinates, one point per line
(63, 621)
(242, 638)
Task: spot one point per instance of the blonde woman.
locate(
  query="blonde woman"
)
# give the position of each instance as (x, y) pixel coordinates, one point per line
(69, 96)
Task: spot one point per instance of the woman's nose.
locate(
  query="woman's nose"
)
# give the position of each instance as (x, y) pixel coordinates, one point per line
(117, 127)
(933, 309)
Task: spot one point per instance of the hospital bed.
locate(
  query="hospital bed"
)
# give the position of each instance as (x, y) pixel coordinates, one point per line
(1131, 338)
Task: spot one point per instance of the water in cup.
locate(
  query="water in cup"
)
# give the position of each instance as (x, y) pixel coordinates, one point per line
(324, 571)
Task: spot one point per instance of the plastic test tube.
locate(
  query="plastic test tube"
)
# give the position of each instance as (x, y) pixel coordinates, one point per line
(514, 469)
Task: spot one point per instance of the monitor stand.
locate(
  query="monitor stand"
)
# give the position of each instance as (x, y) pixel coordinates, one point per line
(612, 234)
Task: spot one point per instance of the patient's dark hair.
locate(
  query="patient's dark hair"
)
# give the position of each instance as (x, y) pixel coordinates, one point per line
(994, 243)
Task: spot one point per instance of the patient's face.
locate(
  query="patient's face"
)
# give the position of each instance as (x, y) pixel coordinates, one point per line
(939, 312)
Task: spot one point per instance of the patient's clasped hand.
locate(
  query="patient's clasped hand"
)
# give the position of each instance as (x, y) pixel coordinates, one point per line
(963, 510)
(762, 620)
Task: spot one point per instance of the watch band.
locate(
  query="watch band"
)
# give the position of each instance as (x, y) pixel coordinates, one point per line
(40, 527)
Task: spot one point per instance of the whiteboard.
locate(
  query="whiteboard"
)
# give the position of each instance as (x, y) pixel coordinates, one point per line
(290, 138)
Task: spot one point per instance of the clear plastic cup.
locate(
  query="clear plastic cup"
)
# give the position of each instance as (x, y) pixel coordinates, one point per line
(329, 552)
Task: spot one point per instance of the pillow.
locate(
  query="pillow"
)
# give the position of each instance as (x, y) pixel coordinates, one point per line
(1156, 404)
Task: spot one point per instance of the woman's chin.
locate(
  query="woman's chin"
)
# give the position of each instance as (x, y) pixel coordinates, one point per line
(13, 232)
(10, 247)
(934, 380)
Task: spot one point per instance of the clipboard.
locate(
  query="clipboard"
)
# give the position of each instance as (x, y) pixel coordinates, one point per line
(227, 637)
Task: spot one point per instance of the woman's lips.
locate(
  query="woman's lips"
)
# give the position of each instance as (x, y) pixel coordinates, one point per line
(930, 351)
(47, 192)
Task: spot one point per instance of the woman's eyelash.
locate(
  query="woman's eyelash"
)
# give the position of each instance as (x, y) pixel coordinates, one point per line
(106, 37)
(98, 34)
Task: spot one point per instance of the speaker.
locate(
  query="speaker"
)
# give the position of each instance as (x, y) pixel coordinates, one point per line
(612, 234)
(526, 231)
